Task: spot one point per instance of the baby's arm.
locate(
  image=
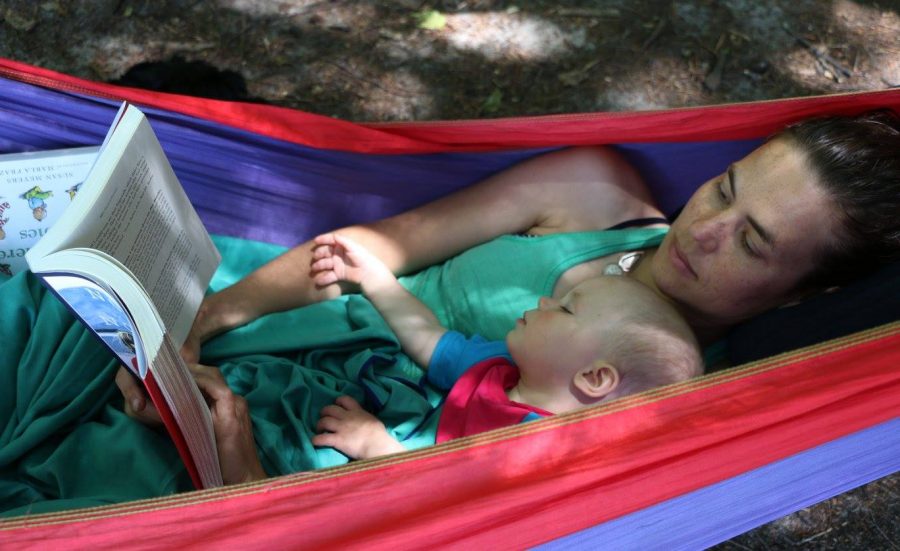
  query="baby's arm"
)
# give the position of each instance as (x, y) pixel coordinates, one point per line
(338, 258)
(353, 431)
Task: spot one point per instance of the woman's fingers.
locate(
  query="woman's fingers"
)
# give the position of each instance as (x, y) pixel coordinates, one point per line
(211, 382)
(190, 350)
(233, 428)
(131, 390)
(137, 405)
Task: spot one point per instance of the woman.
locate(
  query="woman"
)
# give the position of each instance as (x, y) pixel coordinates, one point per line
(813, 207)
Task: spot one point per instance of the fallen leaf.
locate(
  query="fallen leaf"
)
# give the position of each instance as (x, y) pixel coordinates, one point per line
(577, 76)
(492, 103)
(18, 21)
(431, 20)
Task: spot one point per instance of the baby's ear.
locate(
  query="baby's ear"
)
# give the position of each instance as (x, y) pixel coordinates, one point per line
(598, 379)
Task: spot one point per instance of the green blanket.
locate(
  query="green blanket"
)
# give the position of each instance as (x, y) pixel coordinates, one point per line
(66, 443)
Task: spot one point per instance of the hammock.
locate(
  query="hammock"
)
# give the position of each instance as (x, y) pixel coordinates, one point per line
(685, 466)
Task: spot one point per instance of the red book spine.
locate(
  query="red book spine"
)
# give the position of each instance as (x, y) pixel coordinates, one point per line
(168, 419)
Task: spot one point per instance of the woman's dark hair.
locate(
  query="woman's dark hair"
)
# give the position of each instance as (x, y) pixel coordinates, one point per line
(857, 161)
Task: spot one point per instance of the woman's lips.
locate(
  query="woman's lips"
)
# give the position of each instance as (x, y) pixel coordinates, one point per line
(680, 261)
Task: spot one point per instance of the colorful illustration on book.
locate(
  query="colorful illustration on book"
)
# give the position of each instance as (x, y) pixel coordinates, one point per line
(73, 191)
(103, 313)
(35, 198)
(36, 188)
(4, 206)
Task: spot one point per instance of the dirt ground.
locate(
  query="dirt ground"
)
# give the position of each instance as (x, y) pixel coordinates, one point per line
(462, 59)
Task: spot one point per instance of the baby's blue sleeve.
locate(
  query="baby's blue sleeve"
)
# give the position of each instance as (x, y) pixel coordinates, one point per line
(455, 353)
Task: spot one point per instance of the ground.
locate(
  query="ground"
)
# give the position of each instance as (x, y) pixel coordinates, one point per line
(398, 60)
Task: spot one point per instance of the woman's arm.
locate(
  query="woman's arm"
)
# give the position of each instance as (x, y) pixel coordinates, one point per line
(576, 189)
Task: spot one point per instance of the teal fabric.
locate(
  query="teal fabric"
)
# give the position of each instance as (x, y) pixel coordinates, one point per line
(483, 290)
(66, 443)
(63, 436)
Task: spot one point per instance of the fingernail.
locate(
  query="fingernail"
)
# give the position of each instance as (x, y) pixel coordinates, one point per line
(136, 404)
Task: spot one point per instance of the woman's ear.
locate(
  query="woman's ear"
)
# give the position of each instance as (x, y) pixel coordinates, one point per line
(598, 379)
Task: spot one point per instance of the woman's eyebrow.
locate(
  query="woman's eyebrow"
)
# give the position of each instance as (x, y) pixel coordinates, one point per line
(763, 233)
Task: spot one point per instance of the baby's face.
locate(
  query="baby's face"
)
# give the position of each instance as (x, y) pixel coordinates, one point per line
(565, 335)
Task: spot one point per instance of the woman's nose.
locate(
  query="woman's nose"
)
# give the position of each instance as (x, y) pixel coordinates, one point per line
(708, 233)
(545, 302)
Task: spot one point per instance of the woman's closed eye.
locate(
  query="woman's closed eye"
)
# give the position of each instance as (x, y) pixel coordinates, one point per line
(725, 199)
(748, 246)
(722, 193)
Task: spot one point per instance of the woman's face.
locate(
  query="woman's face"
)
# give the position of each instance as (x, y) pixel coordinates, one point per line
(746, 237)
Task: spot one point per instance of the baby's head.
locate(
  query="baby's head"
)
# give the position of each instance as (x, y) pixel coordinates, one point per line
(608, 337)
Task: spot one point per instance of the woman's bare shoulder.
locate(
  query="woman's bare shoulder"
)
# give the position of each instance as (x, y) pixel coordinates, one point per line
(585, 188)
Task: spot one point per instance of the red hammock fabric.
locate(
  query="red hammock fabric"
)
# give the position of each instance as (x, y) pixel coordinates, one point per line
(719, 122)
(532, 483)
(526, 484)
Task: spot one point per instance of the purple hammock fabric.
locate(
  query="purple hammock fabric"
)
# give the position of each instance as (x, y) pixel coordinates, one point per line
(246, 185)
(713, 514)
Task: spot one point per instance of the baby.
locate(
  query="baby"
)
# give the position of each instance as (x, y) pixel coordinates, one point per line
(607, 338)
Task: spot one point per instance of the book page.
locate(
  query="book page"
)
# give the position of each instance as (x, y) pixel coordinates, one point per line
(143, 229)
(35, 189)
(144, 220)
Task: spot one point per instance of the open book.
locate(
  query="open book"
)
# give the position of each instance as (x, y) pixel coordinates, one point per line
(131, 258)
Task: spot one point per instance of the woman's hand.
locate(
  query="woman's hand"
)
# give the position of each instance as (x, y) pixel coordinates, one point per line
(233, 428)
(354, 431)
(137, 403)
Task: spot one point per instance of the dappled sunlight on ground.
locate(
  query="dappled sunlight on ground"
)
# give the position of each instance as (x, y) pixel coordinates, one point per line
(877, 32)
(510, 36)
(670, 79)
(861, 43)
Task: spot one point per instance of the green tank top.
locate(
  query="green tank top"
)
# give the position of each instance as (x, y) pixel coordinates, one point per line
(486, 288)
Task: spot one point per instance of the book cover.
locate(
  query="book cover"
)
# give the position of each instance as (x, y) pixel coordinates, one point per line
(35, 190)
